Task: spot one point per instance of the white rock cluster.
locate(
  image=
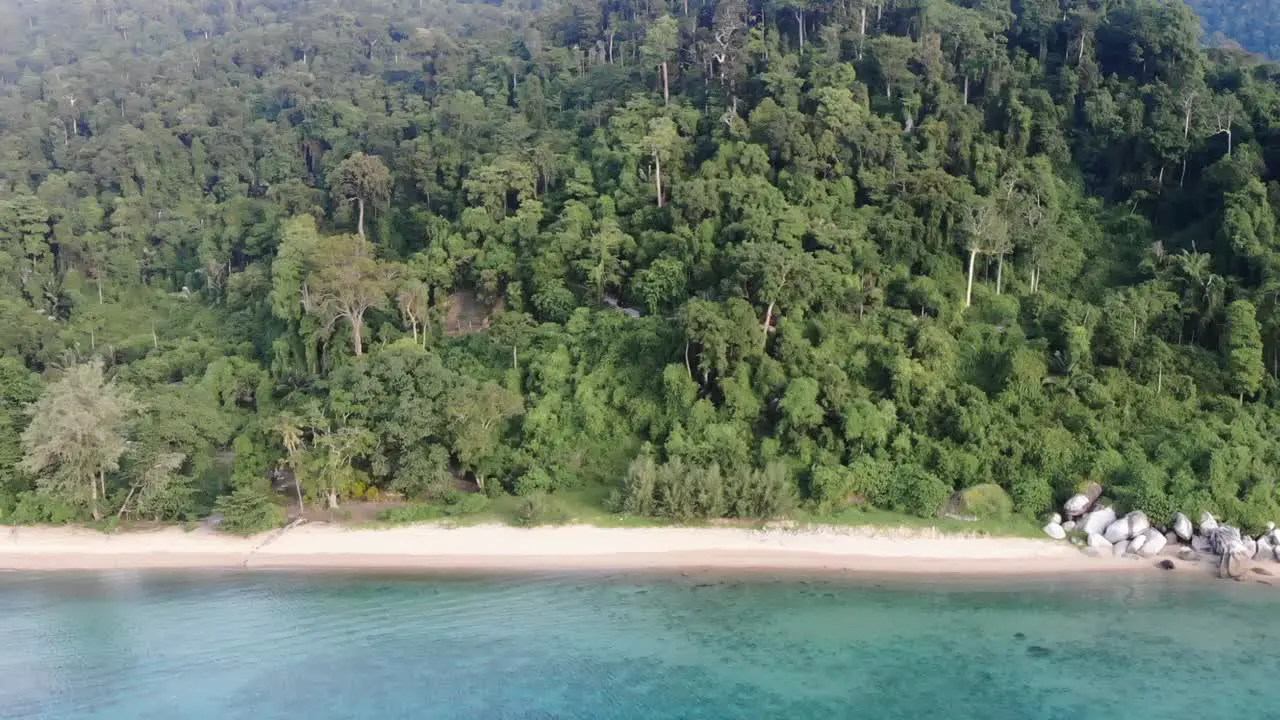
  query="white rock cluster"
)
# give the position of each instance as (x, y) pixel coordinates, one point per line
(1133, 534)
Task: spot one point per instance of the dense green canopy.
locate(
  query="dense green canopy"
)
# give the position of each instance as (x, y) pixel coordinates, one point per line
(724, 256)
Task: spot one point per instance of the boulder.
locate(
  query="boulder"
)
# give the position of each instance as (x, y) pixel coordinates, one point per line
(1266, 551)
(1117, 531)
(1076, 505)
(1232, 565)
(1056, 519)
(1250, 547)
(1137, 544)
(1138, 523)
(1069, 525)
(1092, 490)
(1186, 554)
(1275, 537)
(1166, 565)
(1200, 543)
(1154, 544)
(1055, 531)
(1207, 523)
(1182, 526)
(1099, 543)
(1172, 538)
(1120, 549)
(1271, 526)
(1097, 522)
(1225, 540)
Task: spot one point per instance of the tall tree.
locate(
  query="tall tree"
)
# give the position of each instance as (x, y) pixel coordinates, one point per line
(78, 434)
(661, 41)
(983, 229)
(661, 143)
(1242, 345)
(361, 179)
(346, 284)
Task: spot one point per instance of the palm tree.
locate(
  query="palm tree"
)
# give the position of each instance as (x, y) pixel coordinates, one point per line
(289, 427)
(1202, 290)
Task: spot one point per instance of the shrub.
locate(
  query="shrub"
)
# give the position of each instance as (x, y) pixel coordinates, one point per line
(533, 481)
(1032, 494)
(36, 508)
(639, 485)
(686, 492)
(464, 504)
(831, 486)
(409, 514)
(247, 511)
(424, 472)
(762, 494)
(987, 501)
(915, 490)
(540, 509)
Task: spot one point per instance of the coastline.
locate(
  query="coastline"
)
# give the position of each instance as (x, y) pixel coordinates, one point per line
(432, 547)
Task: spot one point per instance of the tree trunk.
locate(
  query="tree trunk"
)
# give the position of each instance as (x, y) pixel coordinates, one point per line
(800, 22)
(965, 98)
(93, 504)
(99, 280)
(999, 272)
(331, 496)
(297, 487)
(768, 322)
(657, 176)
(666, 91)
(862, 30)
(968, 292)
(357, 336)
(360, 218)
(127, 498)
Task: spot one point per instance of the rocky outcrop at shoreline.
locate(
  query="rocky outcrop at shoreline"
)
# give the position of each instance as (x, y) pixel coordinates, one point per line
(1094, 526)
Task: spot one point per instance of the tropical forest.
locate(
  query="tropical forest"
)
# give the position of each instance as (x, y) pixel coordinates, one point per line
(673, 259)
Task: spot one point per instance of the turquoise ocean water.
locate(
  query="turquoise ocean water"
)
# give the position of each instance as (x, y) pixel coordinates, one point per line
(260, 646)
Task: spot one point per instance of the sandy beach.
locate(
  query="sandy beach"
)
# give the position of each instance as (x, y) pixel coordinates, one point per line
(498, 547)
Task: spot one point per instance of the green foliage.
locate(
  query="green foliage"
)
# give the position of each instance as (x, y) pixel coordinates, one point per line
(638, 494)
(987, 501)
(33, 508)
(455, 505)
(870, 258)
(247, 511)
(1032, 494)
(1243, 348)
(912, 489)
(762, 494)
(540, 509)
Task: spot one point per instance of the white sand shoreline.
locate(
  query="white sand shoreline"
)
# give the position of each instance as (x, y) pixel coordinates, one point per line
(579, 547)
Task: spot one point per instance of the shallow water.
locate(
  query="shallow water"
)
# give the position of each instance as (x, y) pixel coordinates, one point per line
(263, 646)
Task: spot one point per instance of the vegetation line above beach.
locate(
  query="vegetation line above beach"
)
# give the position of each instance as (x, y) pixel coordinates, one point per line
(689, 261)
